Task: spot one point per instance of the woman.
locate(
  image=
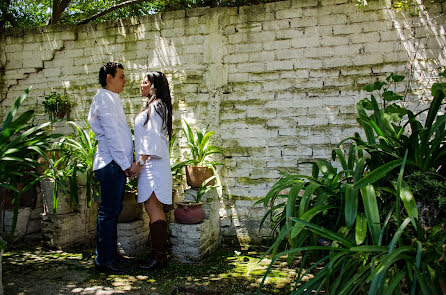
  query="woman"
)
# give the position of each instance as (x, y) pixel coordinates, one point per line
(153, 130)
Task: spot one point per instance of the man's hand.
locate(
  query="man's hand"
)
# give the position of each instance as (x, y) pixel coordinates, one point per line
(128, 173)
(135, 169)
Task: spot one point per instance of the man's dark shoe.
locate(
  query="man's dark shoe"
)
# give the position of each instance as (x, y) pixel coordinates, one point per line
(111, 269)
(152, 264)
(121, 259)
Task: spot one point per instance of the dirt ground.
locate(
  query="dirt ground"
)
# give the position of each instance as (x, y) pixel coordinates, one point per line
(33, 270)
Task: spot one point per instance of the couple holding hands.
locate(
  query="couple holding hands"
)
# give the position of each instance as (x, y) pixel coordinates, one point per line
(113, 162)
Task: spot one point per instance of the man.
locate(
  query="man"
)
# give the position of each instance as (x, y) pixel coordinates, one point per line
(112, 162)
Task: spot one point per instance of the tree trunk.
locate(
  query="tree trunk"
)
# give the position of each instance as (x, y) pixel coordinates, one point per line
(59, 7)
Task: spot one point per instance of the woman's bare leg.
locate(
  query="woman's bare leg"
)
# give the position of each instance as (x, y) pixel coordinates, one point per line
(154, 208)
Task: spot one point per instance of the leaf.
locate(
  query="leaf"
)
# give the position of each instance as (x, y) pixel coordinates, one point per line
(307, 216)
(397, 234)
(391, 96)
(15, 108)
(439, 95)
(291, 202)
(324, 232)
(351, 204)
(408, 200)
(308, 193)
(377, 174)
(371, 212)
(394, 112)
(375, 86)
(360, 229)
(395, 78)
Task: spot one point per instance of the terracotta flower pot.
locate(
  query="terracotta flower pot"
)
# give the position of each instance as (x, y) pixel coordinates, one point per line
(197, 175)
(189, 213)
(130, 209)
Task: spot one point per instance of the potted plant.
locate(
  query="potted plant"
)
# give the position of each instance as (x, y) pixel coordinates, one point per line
(191, 211)
(198, 166)
(80, 149)
(56, 181)
(57, 105)
(176, 168)
(20, 143)
(131, 209)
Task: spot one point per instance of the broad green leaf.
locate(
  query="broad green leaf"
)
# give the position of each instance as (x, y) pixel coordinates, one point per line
(307, 216)
(377, 174)
(397, 234)
(351, 204)
(305, 201)
(360, 229)
(324, 232)
(291, 202)
(379, 249)
(15, 108)
(371, 211)
(408, 200)
(391, 96)
(396, 78)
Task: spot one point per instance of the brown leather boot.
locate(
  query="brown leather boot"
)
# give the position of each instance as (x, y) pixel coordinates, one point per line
(158, 232)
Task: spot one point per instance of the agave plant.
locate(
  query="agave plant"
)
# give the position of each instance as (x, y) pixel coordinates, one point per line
(20, 143)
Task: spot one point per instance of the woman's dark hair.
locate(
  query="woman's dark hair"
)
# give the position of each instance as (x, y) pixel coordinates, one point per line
(159, 92)
(108, 68)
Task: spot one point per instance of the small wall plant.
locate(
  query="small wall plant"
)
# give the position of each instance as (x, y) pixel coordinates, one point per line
(57, 105)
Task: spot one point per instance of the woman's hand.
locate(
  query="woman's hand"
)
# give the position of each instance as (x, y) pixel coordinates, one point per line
(135, 169)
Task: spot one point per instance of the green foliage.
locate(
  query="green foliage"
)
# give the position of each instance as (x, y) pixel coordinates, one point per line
(57, 105)
(37, 13)
(80, 149)
(176, 166)
(20, 144)
(70, 161)
(58, 172)
(204, 188)
(365, 213)
(199, 146)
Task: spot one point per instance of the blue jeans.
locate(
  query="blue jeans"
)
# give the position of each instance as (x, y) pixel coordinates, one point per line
(112, 182)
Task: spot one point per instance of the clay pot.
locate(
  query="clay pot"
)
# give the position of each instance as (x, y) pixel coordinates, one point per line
(168, 208)
(130, 209)
(196, 175)
(189, 213)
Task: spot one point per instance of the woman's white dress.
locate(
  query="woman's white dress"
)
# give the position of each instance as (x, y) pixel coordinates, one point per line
(152, 139)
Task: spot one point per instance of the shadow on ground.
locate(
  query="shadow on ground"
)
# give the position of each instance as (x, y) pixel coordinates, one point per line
(228, 271)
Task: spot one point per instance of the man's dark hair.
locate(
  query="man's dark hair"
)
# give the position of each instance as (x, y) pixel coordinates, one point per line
(108, 68)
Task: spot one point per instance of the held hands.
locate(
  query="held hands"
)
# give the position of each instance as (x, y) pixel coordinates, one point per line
(133, 171)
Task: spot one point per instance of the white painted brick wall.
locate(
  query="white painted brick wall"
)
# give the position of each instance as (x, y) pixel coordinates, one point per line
(277, 82)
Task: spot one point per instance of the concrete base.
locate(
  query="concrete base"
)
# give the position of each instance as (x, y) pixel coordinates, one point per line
(133, 236)
(192, 243)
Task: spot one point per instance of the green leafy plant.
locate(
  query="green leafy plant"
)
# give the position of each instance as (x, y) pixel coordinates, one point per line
(57, 105)
(203, 189)
(199, 146)
(80, 149)
(59, 173)
(20, 144)
(71, 164)
(360, 224)
(176, 166)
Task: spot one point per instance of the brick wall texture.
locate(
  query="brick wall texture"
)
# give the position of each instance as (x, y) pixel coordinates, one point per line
(277, 82)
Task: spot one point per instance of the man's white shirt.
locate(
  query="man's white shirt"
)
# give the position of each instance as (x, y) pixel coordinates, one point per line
(108, 121)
